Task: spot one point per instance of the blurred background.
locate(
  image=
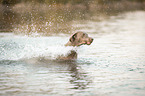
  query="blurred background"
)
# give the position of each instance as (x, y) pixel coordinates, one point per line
(58, 16)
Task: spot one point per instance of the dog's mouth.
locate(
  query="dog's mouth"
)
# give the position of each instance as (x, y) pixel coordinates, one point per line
(90, 41)
(86, 43)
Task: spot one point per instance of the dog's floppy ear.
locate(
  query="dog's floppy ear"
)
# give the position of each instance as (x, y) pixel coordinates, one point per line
(72, 38)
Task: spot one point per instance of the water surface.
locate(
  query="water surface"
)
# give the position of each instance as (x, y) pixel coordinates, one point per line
(113, 65)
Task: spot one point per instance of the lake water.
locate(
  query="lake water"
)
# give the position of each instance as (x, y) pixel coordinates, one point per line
(113, 65)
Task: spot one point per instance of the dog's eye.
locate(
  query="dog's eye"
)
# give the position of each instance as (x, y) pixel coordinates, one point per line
(84, 35)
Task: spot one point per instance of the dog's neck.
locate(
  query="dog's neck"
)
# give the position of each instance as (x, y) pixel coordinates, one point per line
(70, 44)
(73, 54)
(74, 44)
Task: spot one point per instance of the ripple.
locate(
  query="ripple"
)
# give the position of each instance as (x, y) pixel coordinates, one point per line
(113, 65)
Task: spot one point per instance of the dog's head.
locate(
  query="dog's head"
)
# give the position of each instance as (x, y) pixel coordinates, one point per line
(80, 38)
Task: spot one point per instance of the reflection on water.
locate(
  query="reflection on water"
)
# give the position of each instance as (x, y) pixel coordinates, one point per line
(46, 77)
(113, 65)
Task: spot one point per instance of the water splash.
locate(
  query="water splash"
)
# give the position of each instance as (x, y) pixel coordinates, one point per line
(18, 47)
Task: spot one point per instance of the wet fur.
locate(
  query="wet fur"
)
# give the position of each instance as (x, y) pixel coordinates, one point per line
(76, 40)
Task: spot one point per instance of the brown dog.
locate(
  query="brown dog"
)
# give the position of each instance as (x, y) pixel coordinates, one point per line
(77, 39)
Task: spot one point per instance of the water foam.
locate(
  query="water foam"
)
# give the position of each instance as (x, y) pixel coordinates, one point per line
(15, 48)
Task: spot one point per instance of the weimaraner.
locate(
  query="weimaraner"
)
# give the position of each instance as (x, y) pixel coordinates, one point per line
(77, 39)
